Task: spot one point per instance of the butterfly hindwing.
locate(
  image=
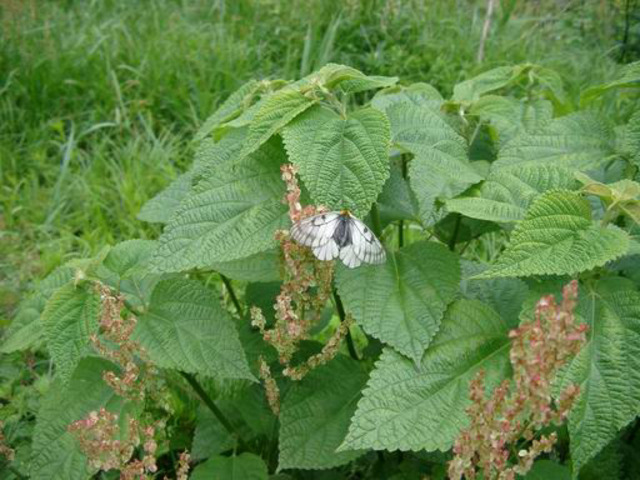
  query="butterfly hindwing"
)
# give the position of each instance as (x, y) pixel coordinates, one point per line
(366, 247)
(328, 251)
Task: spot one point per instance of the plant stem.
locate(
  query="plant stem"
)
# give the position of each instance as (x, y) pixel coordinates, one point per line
(454, 235)
(375, 220)
(485, 30)
(273, 448)
(206, 399)
(625, 38)
(340, 308)
(232, 294)
(403, 169)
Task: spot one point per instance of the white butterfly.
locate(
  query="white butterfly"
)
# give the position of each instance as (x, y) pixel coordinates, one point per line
(339, 234)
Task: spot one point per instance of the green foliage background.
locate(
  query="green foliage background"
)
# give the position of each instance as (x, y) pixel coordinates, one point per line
(100, 101)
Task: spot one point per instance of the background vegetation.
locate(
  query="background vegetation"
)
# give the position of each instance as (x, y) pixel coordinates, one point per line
(99, 100)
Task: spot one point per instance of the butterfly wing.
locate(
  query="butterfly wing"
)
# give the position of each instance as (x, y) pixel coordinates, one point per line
(364, 247)
(317, 232)
(348, 257)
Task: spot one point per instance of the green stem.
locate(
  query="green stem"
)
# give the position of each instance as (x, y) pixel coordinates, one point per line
(206, 399)
(456, 230)
(340, 308)
(375, 220)
(403, 168)
(273, 448)
(232, 294)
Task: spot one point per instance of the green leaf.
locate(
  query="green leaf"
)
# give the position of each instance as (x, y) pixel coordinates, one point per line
(397, 201)
(276, 112)
(454, 227)
(368, 82)
(631, 139)
(252, 408)
(56, 279)
(628, 76)
(209, 154)
(622, 196)
(129, 257)
(245, 466)
(440, 168)
(552, 82)
(263, 296)
(55, 453)
(607, 369)
(510, 116)
(231, 214)
(508, 192)
(343, 161)
(210, 437)
(230, 108)
(472, 89)
(409, 407)
(69, 319)
(418, 94)
(186, 329)
(315, 416)
(26, 330)
(402, 302)
(548, 470)
(607, 463)
(260, 267)
(582, 141)
(504, 295)
(254, 344)
(160, 208)
(347, 79)
(126, 270)
(558, 237)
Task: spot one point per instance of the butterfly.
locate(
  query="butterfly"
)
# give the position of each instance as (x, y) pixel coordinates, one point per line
(339, 234)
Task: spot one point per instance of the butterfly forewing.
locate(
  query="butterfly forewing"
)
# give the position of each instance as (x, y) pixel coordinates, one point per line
(315, 231)
(334, 234)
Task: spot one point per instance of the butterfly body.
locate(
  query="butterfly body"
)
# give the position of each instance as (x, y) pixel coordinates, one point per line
(342, 233)
(339, 235)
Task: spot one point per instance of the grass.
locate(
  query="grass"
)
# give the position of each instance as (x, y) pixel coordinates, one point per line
(98, 100)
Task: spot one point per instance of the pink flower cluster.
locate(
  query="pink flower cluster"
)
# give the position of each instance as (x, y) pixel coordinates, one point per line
(270, 386)
(99, 434)
(329, 351)
(182, 473)
(100, 437)
(538, 350)
(118, 329)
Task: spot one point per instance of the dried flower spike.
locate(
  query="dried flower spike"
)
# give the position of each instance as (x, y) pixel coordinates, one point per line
(306, 287)
(538, 350)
